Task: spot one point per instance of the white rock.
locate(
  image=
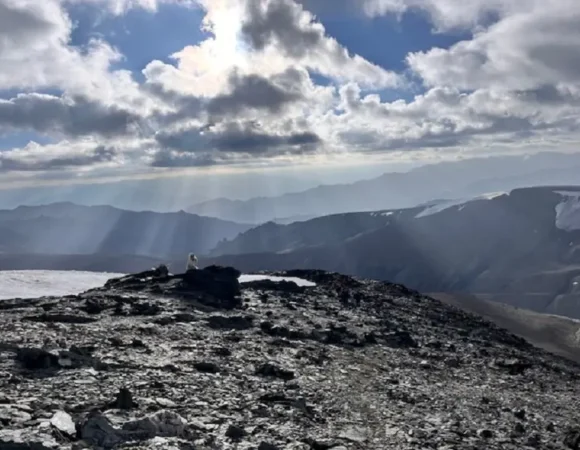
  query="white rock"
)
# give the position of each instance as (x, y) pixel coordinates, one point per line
(63, 422)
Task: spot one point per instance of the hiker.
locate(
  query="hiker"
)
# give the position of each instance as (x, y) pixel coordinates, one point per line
(191, 262)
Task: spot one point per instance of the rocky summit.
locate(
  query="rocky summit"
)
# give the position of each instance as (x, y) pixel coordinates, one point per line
(200, 361)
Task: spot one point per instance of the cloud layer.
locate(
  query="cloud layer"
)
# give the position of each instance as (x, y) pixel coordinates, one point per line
(269, 83)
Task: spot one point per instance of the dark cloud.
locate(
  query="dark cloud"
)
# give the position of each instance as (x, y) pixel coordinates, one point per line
(338, 7)
(257, 92)
(247, 92)
(548, 95)
(101, 154)
(166, 158)
(73, 117)
(207, 146)
(234, 137)
(279, 22)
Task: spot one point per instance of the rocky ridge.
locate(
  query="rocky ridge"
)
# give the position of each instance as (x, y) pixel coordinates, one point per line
(198, 361)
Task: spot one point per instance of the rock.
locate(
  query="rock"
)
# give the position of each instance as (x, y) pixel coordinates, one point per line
(513, 366)
(354, 434)
(534, 440)
(116, 341)
(95, 305)
(267, 446)
(400, 339)
(220, 282)
(222, 351)
(8, 445)
(36, 359)
(218, 322)
(319, 444)
(12, 415)
(124, 400)
(145, 309)
(485, 433)
(272, 285)
(235, 432)
(424, 364)
(165, 403)
(162, 423)
(520, 414)
(98, 431)
(60, 318)
(138, 343)
(206, 367)
(572, 439)
(63, 422)
(272, 370)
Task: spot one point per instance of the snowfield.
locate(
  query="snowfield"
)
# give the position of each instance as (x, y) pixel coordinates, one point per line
(40, 283)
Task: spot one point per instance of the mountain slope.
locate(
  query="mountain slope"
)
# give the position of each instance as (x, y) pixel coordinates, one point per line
(348, 363)
(556, 334)
(65, 228)
(508, 244)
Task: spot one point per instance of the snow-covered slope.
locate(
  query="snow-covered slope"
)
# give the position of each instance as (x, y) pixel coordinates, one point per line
(37, 283)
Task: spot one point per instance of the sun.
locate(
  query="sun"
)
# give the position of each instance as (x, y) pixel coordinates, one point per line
(226, 27)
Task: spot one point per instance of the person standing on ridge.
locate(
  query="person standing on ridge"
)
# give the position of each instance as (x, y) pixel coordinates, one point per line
(191, 262)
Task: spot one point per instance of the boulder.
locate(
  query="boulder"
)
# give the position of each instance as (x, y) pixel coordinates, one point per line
(220, 282)
(36, 359)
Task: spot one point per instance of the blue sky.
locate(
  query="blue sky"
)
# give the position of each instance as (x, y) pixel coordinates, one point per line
(143, 35)
(122, 89)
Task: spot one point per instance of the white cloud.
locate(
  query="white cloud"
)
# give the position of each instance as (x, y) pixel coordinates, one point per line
(79, 155)
(119, 7)
(526, 50)
(64, 115)
(34, 50)
(246, 92)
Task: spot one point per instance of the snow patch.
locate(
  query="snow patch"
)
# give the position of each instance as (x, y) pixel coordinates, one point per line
(491, 195)
(298, 281)
(40, 283)
(439, 207)
(429, 211)
(382, 214)
(568, 211)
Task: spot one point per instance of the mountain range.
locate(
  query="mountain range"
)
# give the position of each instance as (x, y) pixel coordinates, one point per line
(521, 247)
(446, 180)
(66, 228)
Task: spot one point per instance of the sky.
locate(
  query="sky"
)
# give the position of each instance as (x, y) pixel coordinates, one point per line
(134, 89)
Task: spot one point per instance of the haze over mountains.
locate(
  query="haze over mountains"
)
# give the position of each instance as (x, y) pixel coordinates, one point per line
(448, 180)
(242, 200)
(66, 228)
